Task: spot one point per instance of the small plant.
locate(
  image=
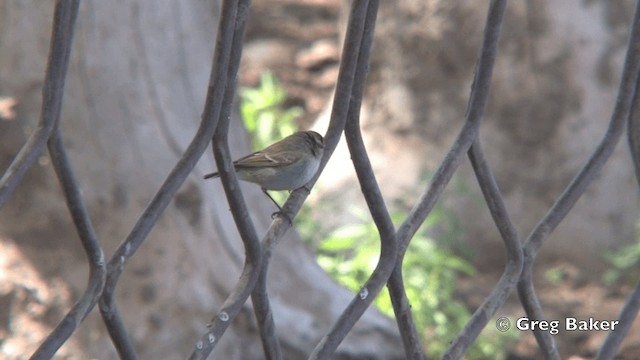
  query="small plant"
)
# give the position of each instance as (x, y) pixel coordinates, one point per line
(263, 112)
(264, 116)
(430, 272)
(625, 262)
(626, 265)
(555, 275)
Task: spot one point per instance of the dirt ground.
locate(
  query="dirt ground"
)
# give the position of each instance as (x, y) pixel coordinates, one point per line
(299, 41)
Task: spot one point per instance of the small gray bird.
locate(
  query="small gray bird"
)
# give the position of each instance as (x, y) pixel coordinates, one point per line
(285, 165)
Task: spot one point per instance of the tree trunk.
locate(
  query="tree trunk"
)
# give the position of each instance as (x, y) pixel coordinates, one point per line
(135, 91)
(552, 96)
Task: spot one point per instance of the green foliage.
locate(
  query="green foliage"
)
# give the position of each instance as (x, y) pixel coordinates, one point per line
(263, 112)
(350, 253)
(555, 275)
(625, 262)
(430, 272)
(626, 265)
(265, 117)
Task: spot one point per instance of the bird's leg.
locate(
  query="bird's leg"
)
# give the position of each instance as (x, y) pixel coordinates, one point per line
(279, 212)
(274, 202)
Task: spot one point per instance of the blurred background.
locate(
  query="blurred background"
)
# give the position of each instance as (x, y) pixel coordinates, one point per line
(135, 91)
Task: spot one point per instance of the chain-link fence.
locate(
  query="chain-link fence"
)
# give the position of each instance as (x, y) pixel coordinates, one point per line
(518, 272)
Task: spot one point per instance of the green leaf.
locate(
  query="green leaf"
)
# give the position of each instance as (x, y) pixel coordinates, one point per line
(335, 243)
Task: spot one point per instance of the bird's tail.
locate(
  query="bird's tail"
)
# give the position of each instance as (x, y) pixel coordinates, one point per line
(212, 175)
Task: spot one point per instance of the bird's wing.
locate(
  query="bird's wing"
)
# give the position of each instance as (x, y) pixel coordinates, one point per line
(260, 159)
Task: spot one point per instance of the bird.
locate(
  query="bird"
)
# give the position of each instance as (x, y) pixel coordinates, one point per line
(288, 164)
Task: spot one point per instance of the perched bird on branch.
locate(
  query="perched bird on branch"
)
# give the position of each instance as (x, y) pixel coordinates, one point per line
(285, 165)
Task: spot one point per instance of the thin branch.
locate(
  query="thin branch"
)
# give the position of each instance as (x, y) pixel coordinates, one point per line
(64, 20)
(579, 184)
(475, 112)
(211, 114)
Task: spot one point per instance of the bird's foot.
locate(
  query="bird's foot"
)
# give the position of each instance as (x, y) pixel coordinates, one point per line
(283, 214)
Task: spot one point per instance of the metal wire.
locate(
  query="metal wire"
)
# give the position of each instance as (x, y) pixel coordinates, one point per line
(64, 19)
(103, 279)
(475, 112)
(253, 251)
(373, 197)
(632, 305)
(579, 184)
